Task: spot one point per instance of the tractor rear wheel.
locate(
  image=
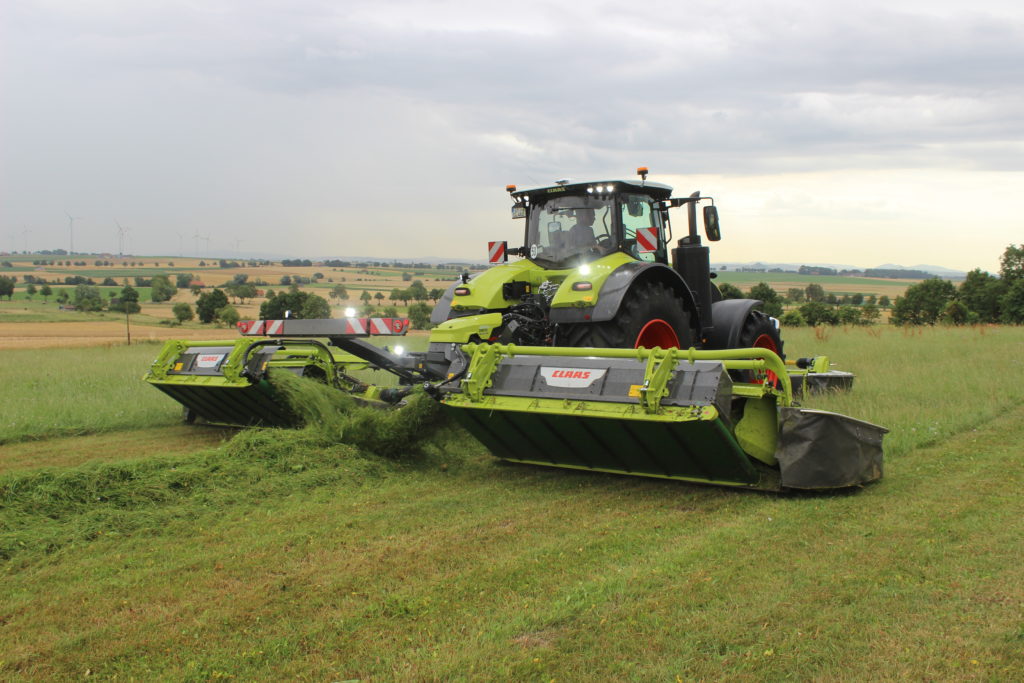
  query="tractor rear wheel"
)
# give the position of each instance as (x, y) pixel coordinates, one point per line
(650, 315)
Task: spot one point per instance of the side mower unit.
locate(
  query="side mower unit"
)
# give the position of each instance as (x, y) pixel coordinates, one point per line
(674, 414)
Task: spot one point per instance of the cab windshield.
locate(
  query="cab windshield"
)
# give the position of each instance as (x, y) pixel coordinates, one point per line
(566, 231)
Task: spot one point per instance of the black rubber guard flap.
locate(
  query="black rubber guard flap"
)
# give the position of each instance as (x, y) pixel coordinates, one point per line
(822, 450)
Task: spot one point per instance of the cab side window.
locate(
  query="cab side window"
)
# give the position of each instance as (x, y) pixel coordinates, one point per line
(637, 213)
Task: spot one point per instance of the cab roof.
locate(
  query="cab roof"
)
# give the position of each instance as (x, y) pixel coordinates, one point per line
(656, 191)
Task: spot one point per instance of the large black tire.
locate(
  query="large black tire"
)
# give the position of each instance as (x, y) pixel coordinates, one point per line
(759, 332)
(644, 303)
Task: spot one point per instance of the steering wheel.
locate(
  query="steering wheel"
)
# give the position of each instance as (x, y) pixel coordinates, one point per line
(604, 241)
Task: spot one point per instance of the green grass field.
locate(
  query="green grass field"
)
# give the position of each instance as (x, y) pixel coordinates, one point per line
(304, 554)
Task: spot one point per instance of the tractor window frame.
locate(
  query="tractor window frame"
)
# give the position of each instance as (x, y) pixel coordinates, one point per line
(629, 225)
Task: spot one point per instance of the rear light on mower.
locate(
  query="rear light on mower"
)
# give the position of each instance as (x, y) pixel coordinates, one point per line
(461, 291)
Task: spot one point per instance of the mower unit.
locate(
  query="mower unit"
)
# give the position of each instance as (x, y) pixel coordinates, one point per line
(226, 382)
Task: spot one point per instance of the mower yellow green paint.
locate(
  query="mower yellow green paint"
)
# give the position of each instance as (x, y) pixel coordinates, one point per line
(672, 413)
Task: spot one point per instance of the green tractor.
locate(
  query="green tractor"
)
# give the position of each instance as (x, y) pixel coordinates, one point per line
(605, 348)
(599, 271)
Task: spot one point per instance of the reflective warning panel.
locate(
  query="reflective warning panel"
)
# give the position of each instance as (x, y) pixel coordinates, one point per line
(647, 240)
(497, 252)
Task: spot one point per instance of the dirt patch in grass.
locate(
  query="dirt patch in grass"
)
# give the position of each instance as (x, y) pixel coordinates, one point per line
(71, 451)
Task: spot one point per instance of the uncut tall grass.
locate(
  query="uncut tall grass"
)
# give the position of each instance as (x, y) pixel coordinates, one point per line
(923, 383)
(56, 392)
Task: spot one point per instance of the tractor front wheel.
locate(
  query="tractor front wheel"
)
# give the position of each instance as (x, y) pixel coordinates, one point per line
(651, 315)
(759, 332)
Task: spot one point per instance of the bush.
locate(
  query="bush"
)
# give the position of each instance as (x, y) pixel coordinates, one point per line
(228, 315)
(792, 319)
(817, 313)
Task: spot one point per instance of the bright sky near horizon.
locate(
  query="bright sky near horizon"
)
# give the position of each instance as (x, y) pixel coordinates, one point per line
(828, 132)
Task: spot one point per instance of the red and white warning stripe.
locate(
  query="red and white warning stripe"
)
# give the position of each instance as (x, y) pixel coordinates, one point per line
(497, 252)
(647, 240)
(353, 327)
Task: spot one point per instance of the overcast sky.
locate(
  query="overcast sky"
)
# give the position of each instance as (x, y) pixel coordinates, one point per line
(861, 133)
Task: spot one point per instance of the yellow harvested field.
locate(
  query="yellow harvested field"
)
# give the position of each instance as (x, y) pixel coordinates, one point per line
(51, 335)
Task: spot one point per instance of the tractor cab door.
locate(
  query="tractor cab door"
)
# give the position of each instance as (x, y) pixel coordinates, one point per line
(643, 229)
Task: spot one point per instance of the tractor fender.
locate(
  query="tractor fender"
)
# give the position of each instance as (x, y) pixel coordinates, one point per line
(618, 284)
(728, 317)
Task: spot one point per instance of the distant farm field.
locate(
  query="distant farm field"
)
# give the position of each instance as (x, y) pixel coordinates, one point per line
(136, 548)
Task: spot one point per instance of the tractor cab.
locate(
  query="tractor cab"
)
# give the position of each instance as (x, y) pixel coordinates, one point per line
(570, 224)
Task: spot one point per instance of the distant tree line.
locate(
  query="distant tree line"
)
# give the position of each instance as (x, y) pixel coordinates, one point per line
(980, 298)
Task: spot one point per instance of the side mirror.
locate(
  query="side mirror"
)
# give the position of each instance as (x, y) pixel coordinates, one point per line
(711, 228)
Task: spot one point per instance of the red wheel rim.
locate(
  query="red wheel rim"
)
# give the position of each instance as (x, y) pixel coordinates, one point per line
(766, 342)
(657, 333)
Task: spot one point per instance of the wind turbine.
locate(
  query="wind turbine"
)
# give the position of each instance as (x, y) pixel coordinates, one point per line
(238, 245)
(181, 238)
(24, 234)
(71, 231)
(121, 233)
(197, 237)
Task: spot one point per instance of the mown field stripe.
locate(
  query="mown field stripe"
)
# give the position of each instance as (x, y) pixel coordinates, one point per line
(494, 571)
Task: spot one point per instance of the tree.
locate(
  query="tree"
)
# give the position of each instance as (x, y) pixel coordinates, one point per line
(286, 280)
(6, 287)
(814, 292)
(46, 292)
(772, 301)
(297, 304)
(365, 297)
(30, 291)
(227, 315)
(1011, 264)
(209, 303)
(162, 290)
(849, 315)
(857, 299)
(315, 307)
(795, 294)
(88, 298)
(338, 291)
(955, 313)
(418, 291)
(982, 293)
(923, 303)
(436, 293)
(1012, 303)
(379, 296)
(869, 313)
(419, 316)
(63, 296)
(730, 291)
(183, 280)
(183, 312)
(884, 302)
(127, 302)
(246, 290)
(817, 313)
